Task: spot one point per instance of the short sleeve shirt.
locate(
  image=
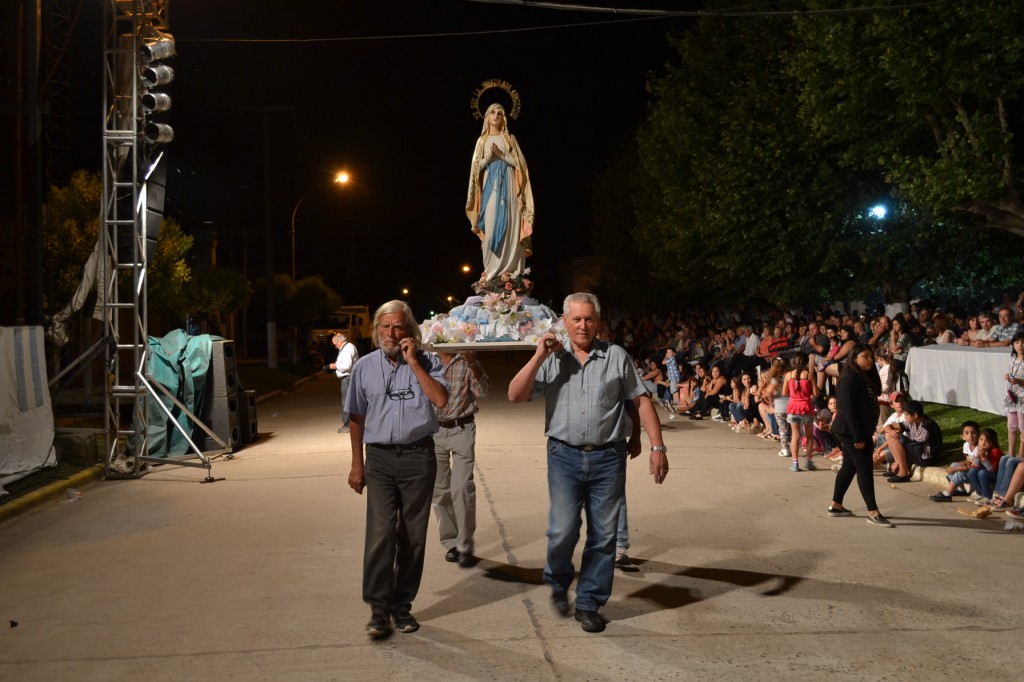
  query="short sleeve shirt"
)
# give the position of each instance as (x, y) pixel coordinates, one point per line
(1001, 333)
(586, 404)
(406, 415)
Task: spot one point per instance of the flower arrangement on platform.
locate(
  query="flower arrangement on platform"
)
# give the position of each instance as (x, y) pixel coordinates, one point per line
(459, 326)
(506, 284)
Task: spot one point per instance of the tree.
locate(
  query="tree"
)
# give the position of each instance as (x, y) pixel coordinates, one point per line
(71, 218)
(734, 204)
(169, 273)
(214, 290)
(770, 138)
(299, 302)
(931, 98)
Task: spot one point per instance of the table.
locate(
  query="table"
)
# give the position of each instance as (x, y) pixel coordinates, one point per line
(959, 375)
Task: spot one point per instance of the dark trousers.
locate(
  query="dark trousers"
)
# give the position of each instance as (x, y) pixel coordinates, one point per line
(708, 403)
(856, 463)
(399, 485)
(345, 380)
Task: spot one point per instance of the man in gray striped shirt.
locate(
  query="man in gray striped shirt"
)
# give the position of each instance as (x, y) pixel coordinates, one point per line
(586, 387)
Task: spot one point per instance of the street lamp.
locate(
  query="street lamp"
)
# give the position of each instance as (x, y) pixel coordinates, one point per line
(341, 178)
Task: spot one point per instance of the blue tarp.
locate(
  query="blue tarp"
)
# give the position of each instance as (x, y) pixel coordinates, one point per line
(180, 363)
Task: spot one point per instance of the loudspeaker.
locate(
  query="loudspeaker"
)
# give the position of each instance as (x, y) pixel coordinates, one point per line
(247, 417)
(222, 418)
(222, 380)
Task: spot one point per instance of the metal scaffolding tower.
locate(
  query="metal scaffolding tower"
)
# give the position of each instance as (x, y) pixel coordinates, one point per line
(130, 158)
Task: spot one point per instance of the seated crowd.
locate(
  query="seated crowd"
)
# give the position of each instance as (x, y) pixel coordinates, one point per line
(772, 374)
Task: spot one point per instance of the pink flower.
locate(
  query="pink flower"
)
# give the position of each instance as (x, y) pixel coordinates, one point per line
(508, 286)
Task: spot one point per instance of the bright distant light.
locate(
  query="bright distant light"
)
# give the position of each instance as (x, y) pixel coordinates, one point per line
(466, 268)
(405, 292)
(342, 177)
(878, 211)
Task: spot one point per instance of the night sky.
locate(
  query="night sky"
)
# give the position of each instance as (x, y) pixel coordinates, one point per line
(395, 112)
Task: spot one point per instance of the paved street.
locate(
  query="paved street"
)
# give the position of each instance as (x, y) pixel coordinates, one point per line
(741, 575)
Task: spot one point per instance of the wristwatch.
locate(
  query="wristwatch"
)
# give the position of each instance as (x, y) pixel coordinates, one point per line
(659, 448)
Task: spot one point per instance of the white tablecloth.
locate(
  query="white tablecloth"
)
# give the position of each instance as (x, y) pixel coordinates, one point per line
(959, 375)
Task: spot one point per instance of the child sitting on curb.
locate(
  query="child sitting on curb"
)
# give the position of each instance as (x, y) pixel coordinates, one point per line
(983, 478)
(882, 456)
(956, 474)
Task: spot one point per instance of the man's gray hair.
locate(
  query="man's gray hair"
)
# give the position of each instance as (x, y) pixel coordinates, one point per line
(581, 297)
(412, 327)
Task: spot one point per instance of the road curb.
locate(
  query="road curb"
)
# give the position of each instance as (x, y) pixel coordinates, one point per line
(49, 491)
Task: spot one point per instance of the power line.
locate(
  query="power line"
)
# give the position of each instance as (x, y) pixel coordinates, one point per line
(716, 13)
(645, 15)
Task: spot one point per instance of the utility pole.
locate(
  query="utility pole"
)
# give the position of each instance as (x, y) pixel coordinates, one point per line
(268, 224)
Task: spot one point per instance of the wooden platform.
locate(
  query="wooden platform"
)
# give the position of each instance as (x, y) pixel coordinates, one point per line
(478, 347)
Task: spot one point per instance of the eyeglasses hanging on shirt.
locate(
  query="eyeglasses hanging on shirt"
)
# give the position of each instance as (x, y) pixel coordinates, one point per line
(400, 394)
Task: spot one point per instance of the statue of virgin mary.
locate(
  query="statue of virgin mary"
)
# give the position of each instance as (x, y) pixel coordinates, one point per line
(500, 199)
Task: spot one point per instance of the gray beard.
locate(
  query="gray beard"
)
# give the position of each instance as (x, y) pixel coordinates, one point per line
(393, 352)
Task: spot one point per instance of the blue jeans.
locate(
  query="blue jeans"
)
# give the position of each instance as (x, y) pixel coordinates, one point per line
(982, 481)
(1007, 465)
(594, 483)
(622, 533)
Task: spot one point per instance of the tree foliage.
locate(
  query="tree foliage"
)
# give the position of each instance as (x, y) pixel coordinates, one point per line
(213, 290)
(733, 202)
(768, 140)
(71, 218)
(296, 303)
(931, 98)
(169, 273)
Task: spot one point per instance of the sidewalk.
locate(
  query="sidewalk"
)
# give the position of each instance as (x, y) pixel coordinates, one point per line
(741, 575)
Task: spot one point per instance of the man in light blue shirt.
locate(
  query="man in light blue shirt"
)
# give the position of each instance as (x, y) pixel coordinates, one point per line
(391, 403)
(586, 387)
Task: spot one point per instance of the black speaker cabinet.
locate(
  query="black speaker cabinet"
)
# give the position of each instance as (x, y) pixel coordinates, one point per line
(222, 378)
(247, 421)
(222, 418)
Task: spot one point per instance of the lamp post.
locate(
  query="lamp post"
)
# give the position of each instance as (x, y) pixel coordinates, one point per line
(339, 179)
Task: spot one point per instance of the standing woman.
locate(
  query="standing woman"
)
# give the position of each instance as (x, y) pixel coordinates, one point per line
(1014, 401)
(899, 345)
(801, 389)
(500, 200)
(854, 426)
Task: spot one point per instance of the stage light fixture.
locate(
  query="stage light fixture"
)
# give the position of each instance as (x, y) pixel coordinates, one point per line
(158, 49)
(158, 133)
(156, 102)
(155, 76)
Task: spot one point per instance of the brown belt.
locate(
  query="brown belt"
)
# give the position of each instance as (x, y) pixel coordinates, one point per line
(452, 423)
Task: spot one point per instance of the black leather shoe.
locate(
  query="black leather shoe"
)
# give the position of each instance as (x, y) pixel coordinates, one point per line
(560, 600)
(405, 622)
(590, 621)
(452, 555)
(898, 479)
(379, 626)
(467, 560)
